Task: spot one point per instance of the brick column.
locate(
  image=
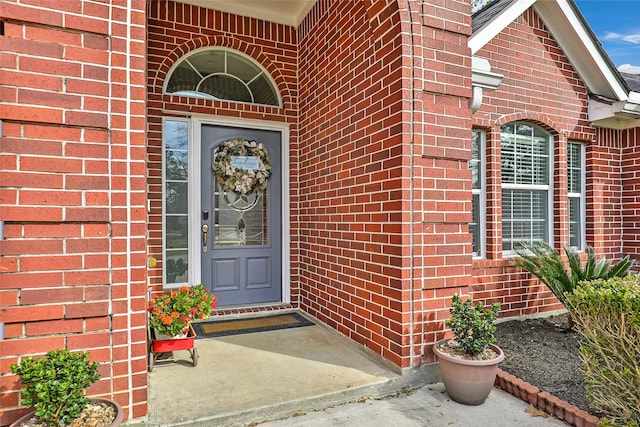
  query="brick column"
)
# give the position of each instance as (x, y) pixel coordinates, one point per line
(72, 191)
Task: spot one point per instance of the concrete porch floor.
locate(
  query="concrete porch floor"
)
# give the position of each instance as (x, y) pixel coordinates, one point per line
(270, 375)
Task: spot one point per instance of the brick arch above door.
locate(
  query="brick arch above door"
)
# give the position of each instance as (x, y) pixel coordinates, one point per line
(253, 51)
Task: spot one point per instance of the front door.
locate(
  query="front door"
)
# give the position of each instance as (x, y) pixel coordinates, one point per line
(241, 222)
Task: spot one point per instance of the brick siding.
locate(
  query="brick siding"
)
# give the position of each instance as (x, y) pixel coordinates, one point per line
(376, 96)
(540, 86)
(175, 29)
(359, 145)
(73, 191)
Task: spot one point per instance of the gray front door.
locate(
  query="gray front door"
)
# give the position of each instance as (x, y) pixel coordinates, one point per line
(241, 234)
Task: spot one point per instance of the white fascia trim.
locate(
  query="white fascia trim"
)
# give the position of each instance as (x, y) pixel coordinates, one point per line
(493, 27)
(553, 18)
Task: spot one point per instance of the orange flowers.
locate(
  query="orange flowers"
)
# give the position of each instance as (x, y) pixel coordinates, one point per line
(172, 313)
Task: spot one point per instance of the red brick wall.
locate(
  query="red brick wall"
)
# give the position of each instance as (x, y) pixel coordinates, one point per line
(631, 193)
(351, 182)
(72, 192)
(372, 265)
(541, 86)
(175, 29)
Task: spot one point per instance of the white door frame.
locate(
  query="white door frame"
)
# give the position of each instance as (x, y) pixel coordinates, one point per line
(194, 188)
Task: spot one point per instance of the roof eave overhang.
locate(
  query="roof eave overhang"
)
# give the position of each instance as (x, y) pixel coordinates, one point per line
(613, 114)
(580, 45)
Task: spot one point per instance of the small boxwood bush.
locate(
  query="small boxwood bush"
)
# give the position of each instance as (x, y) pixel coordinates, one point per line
(473, 326)
(607, 313)
(54, 385)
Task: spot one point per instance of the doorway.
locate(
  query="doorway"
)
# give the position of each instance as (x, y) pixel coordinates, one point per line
(240, 220)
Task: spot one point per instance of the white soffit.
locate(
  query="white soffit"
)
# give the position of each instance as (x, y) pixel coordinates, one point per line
(286, 12)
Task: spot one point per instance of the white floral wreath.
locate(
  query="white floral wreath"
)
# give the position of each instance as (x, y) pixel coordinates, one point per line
(242, 166)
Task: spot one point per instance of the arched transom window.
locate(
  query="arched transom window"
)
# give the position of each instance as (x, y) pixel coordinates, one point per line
(222, 74)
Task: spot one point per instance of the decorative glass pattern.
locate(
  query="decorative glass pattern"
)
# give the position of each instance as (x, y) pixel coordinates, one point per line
(222, 74)
(176, 199)
(239, 219)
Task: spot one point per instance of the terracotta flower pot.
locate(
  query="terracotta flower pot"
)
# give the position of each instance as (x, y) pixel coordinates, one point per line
(468, 381)
(115, 423)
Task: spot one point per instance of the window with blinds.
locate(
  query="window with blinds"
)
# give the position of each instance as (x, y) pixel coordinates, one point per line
(222, 74)
(525, 166)
(477, 167)
(576, 192)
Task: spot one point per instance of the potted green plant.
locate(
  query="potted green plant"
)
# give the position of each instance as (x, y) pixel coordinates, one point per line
(469, 361)
(54, 387)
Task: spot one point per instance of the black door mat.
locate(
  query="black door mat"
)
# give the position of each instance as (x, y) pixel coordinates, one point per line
(221, 328)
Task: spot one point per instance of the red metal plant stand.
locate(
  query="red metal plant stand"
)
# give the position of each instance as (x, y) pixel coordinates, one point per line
(160, 346)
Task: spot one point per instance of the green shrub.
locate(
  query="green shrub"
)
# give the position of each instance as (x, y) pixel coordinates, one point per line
(54, 385)
(473, 326)
(546, 264)
(607, 313)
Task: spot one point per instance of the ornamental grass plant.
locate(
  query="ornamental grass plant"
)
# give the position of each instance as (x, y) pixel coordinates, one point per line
(172, 313)
(607, 315)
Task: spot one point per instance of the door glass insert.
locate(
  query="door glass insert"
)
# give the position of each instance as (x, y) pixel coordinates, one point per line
(240, 219)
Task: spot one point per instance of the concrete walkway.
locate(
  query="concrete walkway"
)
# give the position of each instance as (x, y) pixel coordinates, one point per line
(427, 406)
(267, 376)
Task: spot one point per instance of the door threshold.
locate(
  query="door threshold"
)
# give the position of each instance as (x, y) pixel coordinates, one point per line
(251, 311)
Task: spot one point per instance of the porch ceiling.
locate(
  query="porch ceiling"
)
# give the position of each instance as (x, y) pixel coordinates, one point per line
(287, 12)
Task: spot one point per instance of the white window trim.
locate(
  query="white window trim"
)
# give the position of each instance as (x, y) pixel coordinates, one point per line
(266, 73)
(164, 195)
(549, 188)
(581, 196)
(482, 192)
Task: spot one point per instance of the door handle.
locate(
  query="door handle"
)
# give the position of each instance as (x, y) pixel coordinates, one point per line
(205, 229)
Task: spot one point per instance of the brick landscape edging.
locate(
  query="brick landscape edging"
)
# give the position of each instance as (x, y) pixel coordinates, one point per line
(544, 401)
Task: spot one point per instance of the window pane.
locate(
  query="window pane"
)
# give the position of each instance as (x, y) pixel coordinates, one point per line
(176, 164)
(208, 62)
(524, 155)
(225, 87)
(177, 229)
(524, 217)
(184, 77)
(263, 92)
(177, 266)
(474, 225)
(177, 197)
(575, 168)
(175, 134)
(475, 162)
(575, 227)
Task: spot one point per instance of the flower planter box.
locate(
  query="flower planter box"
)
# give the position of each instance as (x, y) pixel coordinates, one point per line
(169, 345)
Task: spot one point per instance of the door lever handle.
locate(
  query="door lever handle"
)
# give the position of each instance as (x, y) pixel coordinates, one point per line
(205, 229)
